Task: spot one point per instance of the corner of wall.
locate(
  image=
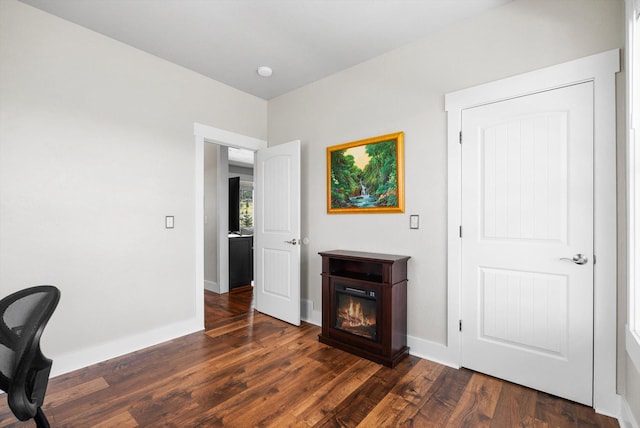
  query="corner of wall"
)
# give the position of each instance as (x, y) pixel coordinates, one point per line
(308, 314)
(212, 286)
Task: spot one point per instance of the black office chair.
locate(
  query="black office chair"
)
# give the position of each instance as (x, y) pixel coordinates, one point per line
(24, 371)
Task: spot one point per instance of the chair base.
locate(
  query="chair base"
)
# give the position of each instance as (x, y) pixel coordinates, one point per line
(41, 419)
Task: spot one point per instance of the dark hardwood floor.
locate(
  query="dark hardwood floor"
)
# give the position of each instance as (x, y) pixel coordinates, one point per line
(247, 370)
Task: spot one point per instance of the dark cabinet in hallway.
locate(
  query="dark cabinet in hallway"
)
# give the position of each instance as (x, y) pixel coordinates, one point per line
(240, 261)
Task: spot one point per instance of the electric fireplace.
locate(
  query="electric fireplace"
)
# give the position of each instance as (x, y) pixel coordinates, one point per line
(364, 304)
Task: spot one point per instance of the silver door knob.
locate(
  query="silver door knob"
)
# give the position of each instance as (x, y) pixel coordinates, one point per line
(294, 241)
(579, 259)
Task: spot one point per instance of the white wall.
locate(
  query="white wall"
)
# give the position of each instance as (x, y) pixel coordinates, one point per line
(96, 147)
(211, 215)
(404, 91)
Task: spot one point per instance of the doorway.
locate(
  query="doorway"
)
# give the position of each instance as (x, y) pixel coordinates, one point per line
(230, 211)
(277, 199)
(206, 135)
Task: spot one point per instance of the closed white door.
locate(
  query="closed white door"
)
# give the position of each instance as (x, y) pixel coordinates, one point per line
(527, 241)
(277, 232)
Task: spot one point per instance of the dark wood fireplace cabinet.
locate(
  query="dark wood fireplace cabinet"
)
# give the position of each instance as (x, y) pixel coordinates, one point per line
(364, 304)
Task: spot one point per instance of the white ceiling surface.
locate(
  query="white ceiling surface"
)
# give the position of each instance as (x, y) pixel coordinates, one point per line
(240, 157)
(301, 40)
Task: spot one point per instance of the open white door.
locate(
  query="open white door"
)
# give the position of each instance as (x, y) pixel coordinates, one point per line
(277, 232)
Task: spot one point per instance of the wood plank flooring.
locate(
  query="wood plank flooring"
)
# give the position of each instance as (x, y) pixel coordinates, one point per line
(249, 370)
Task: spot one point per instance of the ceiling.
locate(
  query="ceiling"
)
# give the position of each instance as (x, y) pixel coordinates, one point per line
(301, 40)
(240, 157)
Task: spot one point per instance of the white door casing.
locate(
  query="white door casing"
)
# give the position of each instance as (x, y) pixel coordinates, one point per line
(205, 134)
(599, 69)
(277, 232)
(527, 209)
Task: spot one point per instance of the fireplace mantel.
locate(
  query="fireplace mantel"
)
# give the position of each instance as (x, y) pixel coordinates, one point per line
(375, 284)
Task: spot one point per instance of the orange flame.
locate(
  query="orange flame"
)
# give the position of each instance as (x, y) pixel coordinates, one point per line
(353, 316)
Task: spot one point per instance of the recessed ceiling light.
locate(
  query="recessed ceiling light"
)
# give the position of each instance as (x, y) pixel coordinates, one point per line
(265, 71)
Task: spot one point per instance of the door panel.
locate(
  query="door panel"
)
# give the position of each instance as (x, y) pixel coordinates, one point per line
(276, 281)
(525, 177)
(277, 232)
(527, 204)
(525, 310)
(277, 214)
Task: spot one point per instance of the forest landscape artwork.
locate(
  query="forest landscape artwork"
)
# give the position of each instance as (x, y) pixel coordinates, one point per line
(366, 176)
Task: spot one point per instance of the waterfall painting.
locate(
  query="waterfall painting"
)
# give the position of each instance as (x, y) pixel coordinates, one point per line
(366, 176)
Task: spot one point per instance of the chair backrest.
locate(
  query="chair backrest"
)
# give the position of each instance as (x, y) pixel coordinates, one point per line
(24, 371)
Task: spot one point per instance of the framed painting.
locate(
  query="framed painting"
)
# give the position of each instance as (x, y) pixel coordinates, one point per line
(366, 176)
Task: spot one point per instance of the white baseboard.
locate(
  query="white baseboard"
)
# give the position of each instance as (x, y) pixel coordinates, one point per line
(212, 286)
(307, 313)
(432, 351)
(76, 360)
(626, 418)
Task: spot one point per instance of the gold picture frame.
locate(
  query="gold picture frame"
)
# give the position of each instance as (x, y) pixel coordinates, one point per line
(366, 176)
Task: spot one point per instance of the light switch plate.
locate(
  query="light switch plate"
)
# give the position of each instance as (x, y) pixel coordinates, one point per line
(414, 221)
(168, 222)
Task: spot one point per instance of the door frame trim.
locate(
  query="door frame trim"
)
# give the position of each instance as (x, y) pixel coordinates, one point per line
(208, 134)
(600, 69)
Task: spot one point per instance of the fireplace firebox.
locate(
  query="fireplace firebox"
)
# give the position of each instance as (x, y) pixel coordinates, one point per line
(364, 304)
(356, 311)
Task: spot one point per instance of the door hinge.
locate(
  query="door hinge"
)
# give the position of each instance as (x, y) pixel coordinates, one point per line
(594, 259)
(460, 325)
(460, 232)
(460, 137)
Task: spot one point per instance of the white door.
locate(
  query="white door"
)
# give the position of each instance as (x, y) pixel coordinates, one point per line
(277, 232)
(527, 214)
